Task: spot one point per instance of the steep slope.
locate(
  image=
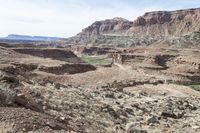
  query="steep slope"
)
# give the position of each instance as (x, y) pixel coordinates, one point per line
(150, 28)
(164, 24)
(115, 25)
(101, 32)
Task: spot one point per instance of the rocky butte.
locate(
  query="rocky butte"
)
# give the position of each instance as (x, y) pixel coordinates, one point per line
(151, 28)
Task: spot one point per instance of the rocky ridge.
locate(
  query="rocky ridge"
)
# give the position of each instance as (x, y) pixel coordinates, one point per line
(171, 27)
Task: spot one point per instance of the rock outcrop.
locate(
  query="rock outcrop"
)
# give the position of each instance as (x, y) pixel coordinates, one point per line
(55, 54)
(148, 29)
(68, 68)
(107, 26)
(165, 24)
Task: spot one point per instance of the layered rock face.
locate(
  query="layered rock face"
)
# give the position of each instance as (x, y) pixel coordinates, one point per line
(107, 26)
(148, 29)
(164, 24)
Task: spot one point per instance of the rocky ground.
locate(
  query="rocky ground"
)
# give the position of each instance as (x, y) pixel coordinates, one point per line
(138, 95)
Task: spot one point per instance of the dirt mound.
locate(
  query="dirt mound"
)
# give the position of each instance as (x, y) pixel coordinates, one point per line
(20, 68)
(68, 68)
(128, 58)
(56, 54)
(81, 49)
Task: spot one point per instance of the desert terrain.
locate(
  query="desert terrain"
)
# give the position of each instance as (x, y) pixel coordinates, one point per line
(139, 89)
(104, 80)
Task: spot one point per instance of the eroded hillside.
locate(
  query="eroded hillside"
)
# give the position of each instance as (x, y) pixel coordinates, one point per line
(142, 90)
(173, 28)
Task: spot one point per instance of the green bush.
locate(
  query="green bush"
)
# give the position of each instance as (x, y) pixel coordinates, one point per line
(195, 87)
(93, 60)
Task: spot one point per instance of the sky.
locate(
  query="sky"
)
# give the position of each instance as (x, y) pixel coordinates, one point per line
(65, 18)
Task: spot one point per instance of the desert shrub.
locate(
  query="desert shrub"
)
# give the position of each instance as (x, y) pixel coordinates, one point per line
(195, 87)
(96, 60)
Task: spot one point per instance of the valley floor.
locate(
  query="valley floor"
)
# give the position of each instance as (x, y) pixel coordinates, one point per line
(144, 90)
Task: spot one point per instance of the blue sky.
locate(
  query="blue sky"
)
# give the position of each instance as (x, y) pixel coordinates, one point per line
(64, 18)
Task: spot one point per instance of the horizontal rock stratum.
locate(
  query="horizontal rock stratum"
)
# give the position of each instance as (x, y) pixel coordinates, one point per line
(150, 28)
